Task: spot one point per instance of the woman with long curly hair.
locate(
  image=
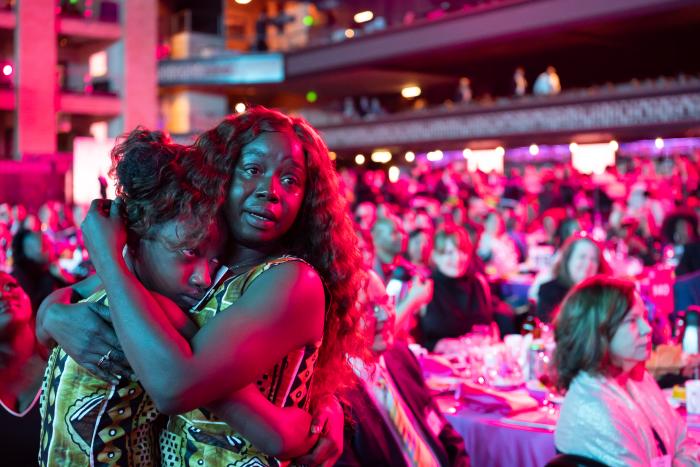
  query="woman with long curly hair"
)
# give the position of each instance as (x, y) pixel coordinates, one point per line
(581, 257)
(283, 315)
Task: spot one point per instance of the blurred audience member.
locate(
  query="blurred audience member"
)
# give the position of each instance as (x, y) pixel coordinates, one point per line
(581, 258)
(464, 90)
(680, 229)
(20, 369)
(519, 82)
(495, 248)
(420, 249)
(547, 83)
(461, 296)
(365, 215)
(34, 265)
(408, 290)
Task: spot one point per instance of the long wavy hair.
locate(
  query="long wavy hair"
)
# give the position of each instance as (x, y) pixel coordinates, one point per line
(585, 325)
(159, 181)
(322, 233)
(560, 269)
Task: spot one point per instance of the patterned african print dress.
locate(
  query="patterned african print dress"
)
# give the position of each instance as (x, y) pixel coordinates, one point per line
(88, 421)
(198, 438)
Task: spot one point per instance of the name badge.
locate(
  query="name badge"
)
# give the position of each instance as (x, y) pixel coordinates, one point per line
(435, 423)
(662, 461)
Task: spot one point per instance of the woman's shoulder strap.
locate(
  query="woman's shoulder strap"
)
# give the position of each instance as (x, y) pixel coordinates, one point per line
(251, 275)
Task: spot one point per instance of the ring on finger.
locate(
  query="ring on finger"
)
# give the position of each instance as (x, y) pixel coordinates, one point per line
(104, 359)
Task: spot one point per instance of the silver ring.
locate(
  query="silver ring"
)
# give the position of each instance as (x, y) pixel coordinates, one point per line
(104, 359)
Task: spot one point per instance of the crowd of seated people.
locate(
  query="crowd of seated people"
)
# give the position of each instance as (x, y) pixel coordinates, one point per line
(552, 225)
(42, 249)
(436, 244)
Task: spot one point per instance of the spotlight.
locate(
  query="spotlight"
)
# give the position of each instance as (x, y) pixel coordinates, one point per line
(500, 151)
(534, 150)
(410, 156)
(381, 156)
(363, 16)
(659, 143)
(614, 145)
(240, 107)
(466, 153)
(410, 91)
(7, 70)
(359, 159)
(434, 156)
(394, 173)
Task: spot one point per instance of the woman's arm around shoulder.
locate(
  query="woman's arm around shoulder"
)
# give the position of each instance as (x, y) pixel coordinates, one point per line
(282, 309)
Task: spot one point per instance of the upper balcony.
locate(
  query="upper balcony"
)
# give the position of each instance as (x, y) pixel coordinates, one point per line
(95, 105)
(86, 27)
(659, 108)
(471, 34)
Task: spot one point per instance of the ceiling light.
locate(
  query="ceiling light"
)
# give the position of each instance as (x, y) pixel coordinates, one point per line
(381, 156)
(363, 16)
(394, 173)
(410, 91)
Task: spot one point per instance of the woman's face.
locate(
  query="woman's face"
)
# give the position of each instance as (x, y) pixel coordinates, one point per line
(631, 343)
(267, 189)
(683, 232)
(583, 262)
(492, 224)
(18, 343)
(452, 262)
(419, 248)
(13, 300)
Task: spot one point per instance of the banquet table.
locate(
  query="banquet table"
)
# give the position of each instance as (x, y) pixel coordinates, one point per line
(493, 443)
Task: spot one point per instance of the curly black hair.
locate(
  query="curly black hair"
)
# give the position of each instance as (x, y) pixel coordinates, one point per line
(160, 181)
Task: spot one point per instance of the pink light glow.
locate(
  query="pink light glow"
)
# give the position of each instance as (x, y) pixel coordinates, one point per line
(7, 70)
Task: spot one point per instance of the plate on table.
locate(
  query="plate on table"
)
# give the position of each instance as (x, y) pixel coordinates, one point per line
(541, 392)
(440, 384)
